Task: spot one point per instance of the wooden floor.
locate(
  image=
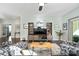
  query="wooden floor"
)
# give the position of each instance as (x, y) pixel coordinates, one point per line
(41, 45)
(45, 48)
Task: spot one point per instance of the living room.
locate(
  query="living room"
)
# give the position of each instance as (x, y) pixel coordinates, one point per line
(35, 29)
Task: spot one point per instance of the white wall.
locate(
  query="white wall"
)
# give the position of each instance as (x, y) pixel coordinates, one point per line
(13, 21)
(67, 16)
(56, 24)
(56, 21)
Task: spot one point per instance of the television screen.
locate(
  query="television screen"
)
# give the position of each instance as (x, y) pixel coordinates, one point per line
(40, 30)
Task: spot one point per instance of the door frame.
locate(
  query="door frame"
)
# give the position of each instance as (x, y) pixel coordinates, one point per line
(70, 28)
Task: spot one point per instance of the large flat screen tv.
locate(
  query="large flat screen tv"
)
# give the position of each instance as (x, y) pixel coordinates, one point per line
(40, 30)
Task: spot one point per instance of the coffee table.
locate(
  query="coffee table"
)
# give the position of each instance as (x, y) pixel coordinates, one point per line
(41, 45)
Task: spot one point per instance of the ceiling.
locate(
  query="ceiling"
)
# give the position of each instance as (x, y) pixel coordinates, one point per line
(32, 9)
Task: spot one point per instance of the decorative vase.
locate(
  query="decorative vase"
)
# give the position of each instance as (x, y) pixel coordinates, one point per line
(59, 35)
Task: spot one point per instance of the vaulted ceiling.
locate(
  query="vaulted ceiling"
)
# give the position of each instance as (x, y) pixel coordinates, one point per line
(32, 9)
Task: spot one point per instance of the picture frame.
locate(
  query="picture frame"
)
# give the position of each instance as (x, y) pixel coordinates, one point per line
(25, 26)
(64, 26)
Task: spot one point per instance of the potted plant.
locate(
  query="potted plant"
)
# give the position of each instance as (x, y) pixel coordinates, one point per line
(75, 38)
(59, 34)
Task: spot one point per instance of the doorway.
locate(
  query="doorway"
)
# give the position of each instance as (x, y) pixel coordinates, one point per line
(7, 31)
(10, 28)
(73, 31)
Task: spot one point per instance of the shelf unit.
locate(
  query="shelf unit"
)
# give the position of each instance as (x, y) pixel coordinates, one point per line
(32, 37)
(30, 30)
(49, 28)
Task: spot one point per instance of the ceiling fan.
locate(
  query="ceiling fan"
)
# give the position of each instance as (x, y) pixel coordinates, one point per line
(41, 5)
